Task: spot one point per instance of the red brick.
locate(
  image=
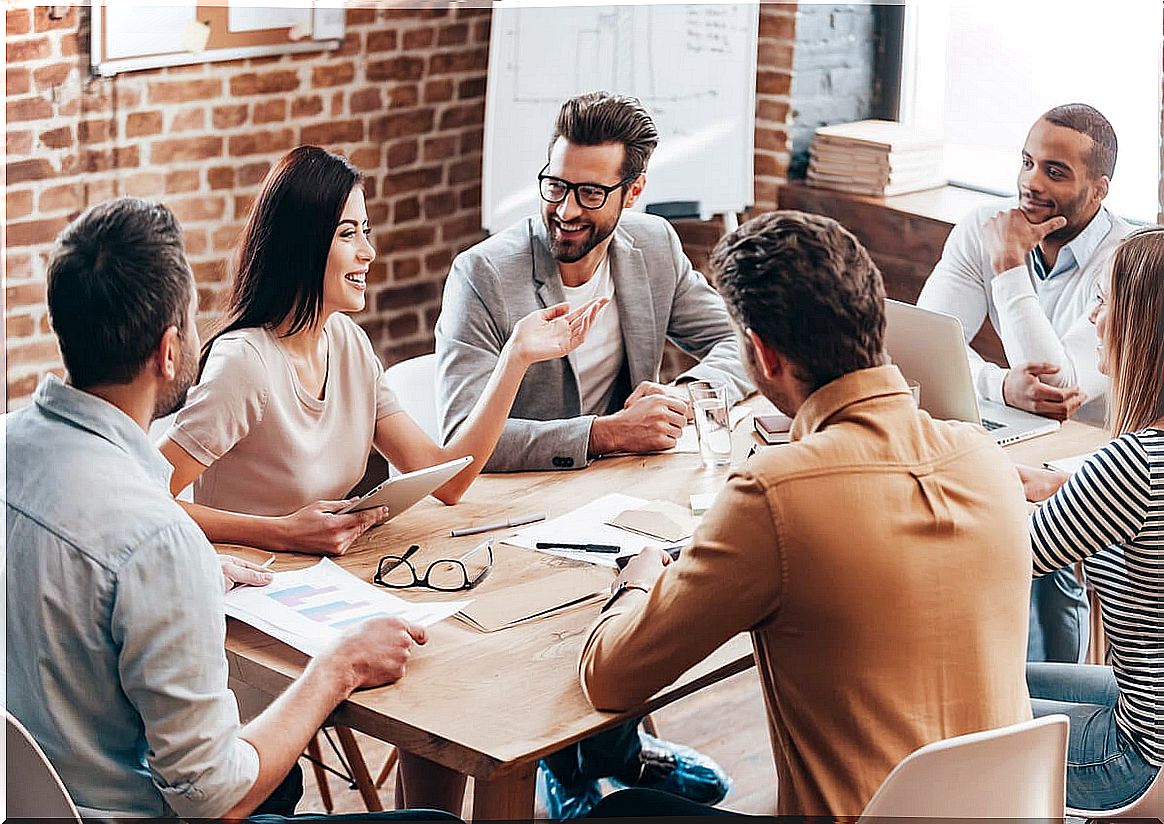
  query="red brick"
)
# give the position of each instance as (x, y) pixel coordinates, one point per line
(184, 91)
(243, 204)
(439, 204)
(18, 143)
(406, 209)
(20, 326)
(327, 134)
(44, 22)
(338, 74)
(209, 271)
(471, 87)
(70, 45)
(252, 173)
(365, 100)
(438, 91)
(397, 68)
(270, 111)
(28, 293)
(196, 241)
(23, 386)
(54, 74)
(224, 238)
(261, 142)
(367, 158)
(187, 148)
(411, 181)
(95, 131)
(458, 61)
(418, 39)
(401, 124)
(440, 148)
(466, 114)
(18, 263)
(188, 120)
(439, 260)
(481, 30)
(193, 209)
(17, 21)
(454, 35)
(470, 197)
(220, 177)
(403, 153)
(377, 213)
(58, 138)
(462, 228)
(337, 104)
(306, 106)
(775, 24)
(227, 117)
(141, 124)
(28, 108)
(267, 83)
(17, 81)
(766, 165)
(361, 16)
(403, 95)
(378, 272)
(401, 297)
(406, 268)
(27, 353)
(22, 51)
(403, 325)
(17, 204)
(464, 171)
(34, 232)
(773, 82)
(384, 40)
(101, 160)
(150, 185)
(69, 197)
(775, 111)
(183, 180)
(32, 169)
(774, 54)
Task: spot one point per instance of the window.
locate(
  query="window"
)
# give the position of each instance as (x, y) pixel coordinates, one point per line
(982, 72)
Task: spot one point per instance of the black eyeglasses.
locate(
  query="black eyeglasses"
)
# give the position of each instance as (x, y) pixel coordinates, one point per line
(589, 195)
(444, 575)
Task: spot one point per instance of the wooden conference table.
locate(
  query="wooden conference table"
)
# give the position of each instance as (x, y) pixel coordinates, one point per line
(491, 705)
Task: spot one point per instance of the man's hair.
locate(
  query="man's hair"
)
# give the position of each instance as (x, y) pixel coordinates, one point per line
(117, 280)
(595, 118)
(1135, 331)
(808, 288)
(1079, 117)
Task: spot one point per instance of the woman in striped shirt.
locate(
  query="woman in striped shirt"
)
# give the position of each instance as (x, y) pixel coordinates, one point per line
(1110, 516)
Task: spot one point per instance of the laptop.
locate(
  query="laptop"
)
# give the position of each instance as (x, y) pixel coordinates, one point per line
(929, 347)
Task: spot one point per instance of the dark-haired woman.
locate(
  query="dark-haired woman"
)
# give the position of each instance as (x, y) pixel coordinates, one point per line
(1110, 516)
(292, 396)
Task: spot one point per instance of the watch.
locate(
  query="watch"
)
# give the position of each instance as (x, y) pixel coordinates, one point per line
(623, 587)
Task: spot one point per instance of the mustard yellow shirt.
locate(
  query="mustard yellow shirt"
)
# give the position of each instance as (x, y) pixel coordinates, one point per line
(881, 562)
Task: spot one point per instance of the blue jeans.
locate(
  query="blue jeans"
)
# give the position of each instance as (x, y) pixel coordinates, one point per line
(1104, 769)
(613, 753)
(1059, 627)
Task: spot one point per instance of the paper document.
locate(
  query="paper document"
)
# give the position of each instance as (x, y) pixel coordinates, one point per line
(1069, 465)
(588, 525)
(312, 607)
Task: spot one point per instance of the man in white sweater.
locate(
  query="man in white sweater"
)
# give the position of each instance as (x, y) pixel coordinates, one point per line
(1034, 271)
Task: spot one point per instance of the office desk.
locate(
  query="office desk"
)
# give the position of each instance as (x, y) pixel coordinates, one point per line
(491, 705)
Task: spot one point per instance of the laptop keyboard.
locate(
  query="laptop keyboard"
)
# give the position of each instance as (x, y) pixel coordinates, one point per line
(990, 425)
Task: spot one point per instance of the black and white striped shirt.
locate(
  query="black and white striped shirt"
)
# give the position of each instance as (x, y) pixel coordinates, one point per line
(1110, 515)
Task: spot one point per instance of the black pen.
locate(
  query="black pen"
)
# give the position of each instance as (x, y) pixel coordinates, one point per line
(623, 560)
(608, 548)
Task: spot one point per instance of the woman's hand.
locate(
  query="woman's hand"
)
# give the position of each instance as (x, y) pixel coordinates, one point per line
(1040, 484)
(546, 334)
(319, 529)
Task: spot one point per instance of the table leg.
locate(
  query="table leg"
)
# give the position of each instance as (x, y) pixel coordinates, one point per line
(509, 797)
(359, 769)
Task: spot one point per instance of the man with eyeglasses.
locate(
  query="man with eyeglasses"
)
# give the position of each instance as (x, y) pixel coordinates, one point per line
(606, 396)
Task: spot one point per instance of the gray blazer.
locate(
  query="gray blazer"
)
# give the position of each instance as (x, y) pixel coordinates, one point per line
(500, 280)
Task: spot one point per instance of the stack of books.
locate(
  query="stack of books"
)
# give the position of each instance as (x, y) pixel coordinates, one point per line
(875, 157)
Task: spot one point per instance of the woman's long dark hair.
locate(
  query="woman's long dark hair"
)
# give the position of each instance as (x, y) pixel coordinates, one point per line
(282, 254)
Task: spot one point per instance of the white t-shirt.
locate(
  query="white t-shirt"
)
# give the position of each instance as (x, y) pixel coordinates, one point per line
(599, 358)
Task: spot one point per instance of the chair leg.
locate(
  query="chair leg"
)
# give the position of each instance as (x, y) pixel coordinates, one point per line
(649, 726)
(316, 756)
(389, 763)
(360, 772)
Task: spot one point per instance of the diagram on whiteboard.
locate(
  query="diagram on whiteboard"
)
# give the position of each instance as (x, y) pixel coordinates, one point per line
(692, 66)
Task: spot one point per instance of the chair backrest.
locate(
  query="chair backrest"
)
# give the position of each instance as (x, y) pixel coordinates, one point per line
(1149, 805)
(414, 382)
(1018, 771)
(34, 789)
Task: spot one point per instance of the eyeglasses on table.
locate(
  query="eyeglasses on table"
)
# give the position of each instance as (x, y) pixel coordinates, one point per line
(443, 575)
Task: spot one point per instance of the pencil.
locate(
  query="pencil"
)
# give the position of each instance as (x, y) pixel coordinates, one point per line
(267, 563)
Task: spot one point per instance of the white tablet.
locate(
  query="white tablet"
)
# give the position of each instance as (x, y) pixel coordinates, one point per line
(403, 491)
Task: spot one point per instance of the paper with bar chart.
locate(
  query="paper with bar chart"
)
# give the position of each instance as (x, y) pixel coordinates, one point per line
(312, 607)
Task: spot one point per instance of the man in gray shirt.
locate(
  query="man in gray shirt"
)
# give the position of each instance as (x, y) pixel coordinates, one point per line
(115, 622)
(604, 397)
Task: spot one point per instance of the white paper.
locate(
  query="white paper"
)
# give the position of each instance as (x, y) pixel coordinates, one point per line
(1069, 465)
(132, 30)
(587, 525)
(246, 16)
(312, 607)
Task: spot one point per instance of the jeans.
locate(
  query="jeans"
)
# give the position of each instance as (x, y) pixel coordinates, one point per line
(1104, 769)
(614, 753)
(1059, 628)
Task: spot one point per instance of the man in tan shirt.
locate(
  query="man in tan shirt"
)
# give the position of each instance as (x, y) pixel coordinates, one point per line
(845, 553)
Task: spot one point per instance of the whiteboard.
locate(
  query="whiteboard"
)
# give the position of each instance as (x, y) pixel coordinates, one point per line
(692, 66)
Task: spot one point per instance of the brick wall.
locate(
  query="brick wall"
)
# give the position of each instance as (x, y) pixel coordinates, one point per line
(403, 98)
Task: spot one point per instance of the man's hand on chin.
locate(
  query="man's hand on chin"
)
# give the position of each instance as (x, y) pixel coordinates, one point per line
(1009, 237)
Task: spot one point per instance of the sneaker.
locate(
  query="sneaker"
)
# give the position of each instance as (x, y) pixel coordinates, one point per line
(562, 802)
(680, 771)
